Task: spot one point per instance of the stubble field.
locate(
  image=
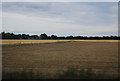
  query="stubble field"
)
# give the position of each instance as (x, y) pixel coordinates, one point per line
(49, 57)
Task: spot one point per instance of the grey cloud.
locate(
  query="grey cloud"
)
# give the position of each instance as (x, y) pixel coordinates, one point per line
(76, 13)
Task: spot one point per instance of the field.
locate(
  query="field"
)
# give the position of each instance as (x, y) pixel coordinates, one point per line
(9, 42)
(50, 56)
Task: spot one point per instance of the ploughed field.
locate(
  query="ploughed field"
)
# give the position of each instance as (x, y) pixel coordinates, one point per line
(50, 57)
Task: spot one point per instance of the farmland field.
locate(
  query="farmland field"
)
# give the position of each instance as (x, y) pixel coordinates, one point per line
(4, 42)
(49, 56)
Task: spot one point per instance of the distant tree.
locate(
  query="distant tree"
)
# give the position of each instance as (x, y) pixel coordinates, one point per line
(19, 36)
(34, 37)
(53, 37)
(4, 35)
(62, 37)
(48, 37)
(69, 37)
(43, 36)
(24, 36)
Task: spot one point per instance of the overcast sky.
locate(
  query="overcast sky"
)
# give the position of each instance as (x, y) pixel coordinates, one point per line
(61, 18)
(60, 0)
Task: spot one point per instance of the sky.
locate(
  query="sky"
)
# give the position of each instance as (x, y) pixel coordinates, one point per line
(60, 0)
(61, 18)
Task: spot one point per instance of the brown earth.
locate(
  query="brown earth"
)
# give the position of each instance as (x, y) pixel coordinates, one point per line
(51, 57)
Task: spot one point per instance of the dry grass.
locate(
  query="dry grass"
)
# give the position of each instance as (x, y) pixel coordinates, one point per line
(4, 42)
(50, 57)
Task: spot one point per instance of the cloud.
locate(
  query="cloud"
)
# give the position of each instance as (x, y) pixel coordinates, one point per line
(0, 17)
(60, 0)
(60, 18)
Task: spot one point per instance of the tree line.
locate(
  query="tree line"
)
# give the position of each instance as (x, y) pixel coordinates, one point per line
(7, 35)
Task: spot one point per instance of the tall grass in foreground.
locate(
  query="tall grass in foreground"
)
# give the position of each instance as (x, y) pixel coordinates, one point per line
(70, 73)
